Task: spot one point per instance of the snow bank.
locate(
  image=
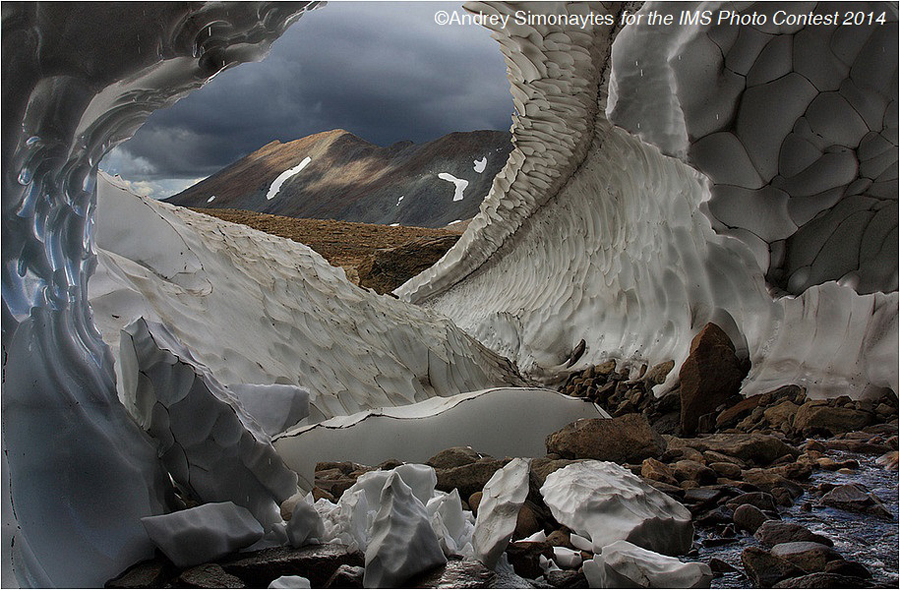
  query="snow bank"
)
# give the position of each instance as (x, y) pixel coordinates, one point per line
(458, 183)
(284, 176)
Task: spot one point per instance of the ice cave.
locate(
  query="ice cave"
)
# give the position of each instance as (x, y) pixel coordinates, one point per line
(662, 178)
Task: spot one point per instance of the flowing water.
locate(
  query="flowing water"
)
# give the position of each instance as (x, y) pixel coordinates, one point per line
(867, 539)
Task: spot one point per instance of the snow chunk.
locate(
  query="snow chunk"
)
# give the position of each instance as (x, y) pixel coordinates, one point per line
(459, 183)
(305, 526)
(480, 165)
(503, 497)
(203, 533)
(452, 525)
(608, 503)
(282, 178)
(209, 444)
(403, 542)
(624, 565)
(290, 582)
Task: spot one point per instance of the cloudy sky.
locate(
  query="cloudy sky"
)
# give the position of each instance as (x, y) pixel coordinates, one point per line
(384, 71)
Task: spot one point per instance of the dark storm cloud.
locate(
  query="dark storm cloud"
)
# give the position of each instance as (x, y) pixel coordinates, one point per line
(384, 71)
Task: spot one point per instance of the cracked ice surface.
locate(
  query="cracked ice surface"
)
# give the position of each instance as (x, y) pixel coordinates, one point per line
(589, 233)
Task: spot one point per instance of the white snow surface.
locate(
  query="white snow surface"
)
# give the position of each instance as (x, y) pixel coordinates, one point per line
(459, 185)
(606, 503)
(284, 176)
(625, 565)
(203, 533)
(480, 165)
(503, 496)
(489, 420)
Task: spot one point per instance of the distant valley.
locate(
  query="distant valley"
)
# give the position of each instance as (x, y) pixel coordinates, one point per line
(336, 175)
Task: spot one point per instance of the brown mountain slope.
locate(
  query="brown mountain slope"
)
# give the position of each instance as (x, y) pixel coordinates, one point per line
(349, 179)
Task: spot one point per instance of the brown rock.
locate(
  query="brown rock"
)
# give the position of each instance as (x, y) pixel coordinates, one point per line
(694, 471)
(762, 500)
(346, 576)
(388, 268)
(776, 532)
(454, 457)
(822, 580)
(734, 414)
(152, 573)
(528, 521)
(544, 466)
(807, 555)
(468, 479)
(781, 416)
(525, 557)
(657, 375)
(749, 517)
(560, 538)
(767, 481)
(475, 502)
(765, 570)
(855, 498)
(627, 439)
(316, 563)
(658, 471)
(729, 470)
(760, 449)
(814, 419)
(709, 376)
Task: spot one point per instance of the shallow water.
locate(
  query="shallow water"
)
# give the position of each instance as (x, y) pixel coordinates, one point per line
(867, 539)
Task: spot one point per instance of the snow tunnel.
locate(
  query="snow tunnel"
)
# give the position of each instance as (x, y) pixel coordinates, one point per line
(675, 177)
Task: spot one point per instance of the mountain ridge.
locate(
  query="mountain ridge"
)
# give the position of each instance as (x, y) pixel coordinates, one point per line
(338, 175)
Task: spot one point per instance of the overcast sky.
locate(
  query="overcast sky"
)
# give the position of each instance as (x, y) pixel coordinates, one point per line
(384, 71)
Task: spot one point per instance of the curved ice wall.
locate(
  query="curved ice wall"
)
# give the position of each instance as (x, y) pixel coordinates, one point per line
(756, 161)
(76, 80)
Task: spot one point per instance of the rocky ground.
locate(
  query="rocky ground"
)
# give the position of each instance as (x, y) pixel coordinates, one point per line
(378, 257)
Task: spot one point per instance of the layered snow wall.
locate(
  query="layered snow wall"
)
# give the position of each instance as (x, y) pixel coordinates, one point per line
(588, 232)
(741, 190)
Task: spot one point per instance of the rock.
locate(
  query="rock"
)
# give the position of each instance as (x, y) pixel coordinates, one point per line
(454, 457)
(525, 557)
(781, 416)
(709, 376)
(703, 497)
(855, 498)
(658, 471)
(627, 439)
(768, 481)
(814, 419)
(209, 575)
(528, 521)
(822, 580)
(847, 568)
(694, 471)
(388, 268)
(498, 512)
(317, 563)
(290, 582)
(402, 543)
(890, 460)
(152, 573)
(829, 464)
(716, 516)
(544, 466)
(723, 469)
(658, 373)
(469, 478)
(456, 573)
(762, 500)
(759, 449)
(765, 570)
(475, 502)
(721, 567)
(734, 414)
(566, 579)
(346, 576)
(624, 565)
(775, 532)
(809, 556)
(203, 533)
(749, 517)
(606, 503)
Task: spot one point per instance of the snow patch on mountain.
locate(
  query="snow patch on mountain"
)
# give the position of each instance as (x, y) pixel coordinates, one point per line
(459, 183)
(480, 165)
(284, 176)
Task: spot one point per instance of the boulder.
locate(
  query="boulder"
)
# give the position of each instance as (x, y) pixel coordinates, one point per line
(346, 576)
(760, 449)
(317, 563)
(624, 565)
(725, 469)
(657, 471)
(606, 503)
(454, 457)
(152, 573)
(762, 500)
(544, 466)
(807, 555)
(814, 419)
(626, 439)
(731, 416)
(525, 557)
(775, 532)
(847, 568)
(687, 470)
(781, 416)
(710, 375)
(203, 533)
(469, 478)
(749, 517)
(765, 570)
(855, 498)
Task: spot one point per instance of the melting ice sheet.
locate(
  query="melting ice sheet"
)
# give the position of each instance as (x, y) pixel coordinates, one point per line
(284, 176)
